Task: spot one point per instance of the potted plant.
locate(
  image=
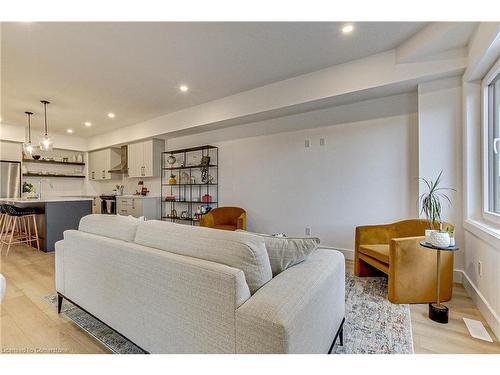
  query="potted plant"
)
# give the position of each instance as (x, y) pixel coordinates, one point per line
(28, 190)
(431, 206)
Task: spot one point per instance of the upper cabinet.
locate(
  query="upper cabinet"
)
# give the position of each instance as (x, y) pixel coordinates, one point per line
(144, 158)
(101, 161)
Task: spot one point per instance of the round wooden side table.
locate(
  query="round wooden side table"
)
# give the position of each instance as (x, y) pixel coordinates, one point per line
(437, 311)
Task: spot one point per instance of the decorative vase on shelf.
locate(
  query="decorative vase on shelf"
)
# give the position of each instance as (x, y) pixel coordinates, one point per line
(440, 239)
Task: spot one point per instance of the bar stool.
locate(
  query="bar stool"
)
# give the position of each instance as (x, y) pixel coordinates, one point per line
(19, 226)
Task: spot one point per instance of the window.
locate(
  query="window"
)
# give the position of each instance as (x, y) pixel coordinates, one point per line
(491, 146)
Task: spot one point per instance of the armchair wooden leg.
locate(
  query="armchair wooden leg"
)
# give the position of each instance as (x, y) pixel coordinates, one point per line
(362, 269)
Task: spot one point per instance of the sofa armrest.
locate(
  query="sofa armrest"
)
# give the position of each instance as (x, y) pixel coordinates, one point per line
(207, 220)
(412, 271)
(298, 311)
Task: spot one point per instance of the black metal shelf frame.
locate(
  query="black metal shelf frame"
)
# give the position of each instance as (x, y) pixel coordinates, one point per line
(188, 191)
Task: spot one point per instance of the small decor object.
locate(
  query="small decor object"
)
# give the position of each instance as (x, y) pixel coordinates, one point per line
(197, 214)
(205, 161)
(65, 160)
(184, 178)
(193, 180)
(451, 232)
(171, 160)
(173, 213)
(207, 198)
(79, 158)
(28, 190)
(170, 198)
(172, 180)
(36, 157)
(184, 215)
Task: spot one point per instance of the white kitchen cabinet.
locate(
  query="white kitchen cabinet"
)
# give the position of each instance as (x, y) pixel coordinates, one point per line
(144, 158)
(149, 207)
(101, 161)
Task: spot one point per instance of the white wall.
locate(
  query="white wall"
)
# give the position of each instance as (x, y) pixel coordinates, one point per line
(366, 172)
(482, 238)
(440, 145)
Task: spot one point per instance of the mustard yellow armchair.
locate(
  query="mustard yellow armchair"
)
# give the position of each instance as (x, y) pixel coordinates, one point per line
(394, 249)
(226, 218)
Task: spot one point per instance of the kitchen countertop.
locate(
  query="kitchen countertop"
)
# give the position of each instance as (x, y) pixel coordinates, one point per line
(137, 196)
(45, 200)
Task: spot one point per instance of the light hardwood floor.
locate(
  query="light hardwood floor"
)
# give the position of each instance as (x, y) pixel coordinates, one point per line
(29, 324)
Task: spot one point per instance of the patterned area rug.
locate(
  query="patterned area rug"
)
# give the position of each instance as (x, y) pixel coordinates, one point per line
(373, 325)
(111, 339)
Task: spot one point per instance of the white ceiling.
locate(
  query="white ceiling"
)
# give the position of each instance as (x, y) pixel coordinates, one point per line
(134, 69)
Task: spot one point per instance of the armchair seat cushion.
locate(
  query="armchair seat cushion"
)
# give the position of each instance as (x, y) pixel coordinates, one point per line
(379, 252)
(225, 227)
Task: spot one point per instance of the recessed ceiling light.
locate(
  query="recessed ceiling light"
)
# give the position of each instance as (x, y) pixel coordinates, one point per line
(347, 29)
(88, 124)
(69, 131)
(183, 88)
(111, 115)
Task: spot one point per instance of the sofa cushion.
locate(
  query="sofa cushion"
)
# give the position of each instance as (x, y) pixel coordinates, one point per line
(379, 252)
(239, 250)
(285, 252)
(112, 226)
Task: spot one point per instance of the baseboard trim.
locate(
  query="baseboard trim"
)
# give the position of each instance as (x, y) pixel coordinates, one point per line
(482, 304)
(458, 276)
(348, 253)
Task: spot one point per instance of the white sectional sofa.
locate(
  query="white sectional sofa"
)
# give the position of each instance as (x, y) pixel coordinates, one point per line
(173, 288)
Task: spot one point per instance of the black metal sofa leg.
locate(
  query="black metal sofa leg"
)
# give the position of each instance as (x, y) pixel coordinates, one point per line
(59, 303)
(340, 335)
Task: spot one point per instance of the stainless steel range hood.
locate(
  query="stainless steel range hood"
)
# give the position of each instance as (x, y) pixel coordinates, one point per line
(123, 166)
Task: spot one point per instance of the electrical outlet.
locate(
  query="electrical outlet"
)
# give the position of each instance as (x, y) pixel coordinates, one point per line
(308, 231)
(480, 268)
(322, 141)
(307, 143)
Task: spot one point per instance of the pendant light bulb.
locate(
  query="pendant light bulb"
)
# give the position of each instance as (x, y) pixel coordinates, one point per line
(45, 142)
(28, 147)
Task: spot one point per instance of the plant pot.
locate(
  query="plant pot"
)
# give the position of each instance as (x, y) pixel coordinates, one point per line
(440, 239)
(428, 234)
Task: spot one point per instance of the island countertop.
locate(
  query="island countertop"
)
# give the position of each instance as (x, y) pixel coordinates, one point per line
(45, 200)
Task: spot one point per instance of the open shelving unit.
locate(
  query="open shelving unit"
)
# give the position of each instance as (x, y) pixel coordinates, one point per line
(43, 161)
(189, 192)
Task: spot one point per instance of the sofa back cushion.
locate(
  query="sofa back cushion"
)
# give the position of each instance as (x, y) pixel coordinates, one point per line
(111, 226)
(239, 250)
(285, 252)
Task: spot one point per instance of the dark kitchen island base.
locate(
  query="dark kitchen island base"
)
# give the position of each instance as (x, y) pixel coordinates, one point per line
(57, 215)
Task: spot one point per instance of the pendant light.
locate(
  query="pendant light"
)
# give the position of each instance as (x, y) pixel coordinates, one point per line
(28, 147)
(45, 142)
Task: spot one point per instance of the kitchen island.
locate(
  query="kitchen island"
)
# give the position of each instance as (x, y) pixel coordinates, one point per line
(57, 215)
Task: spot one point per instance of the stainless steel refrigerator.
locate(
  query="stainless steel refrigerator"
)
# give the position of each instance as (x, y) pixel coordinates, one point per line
(10, 179)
